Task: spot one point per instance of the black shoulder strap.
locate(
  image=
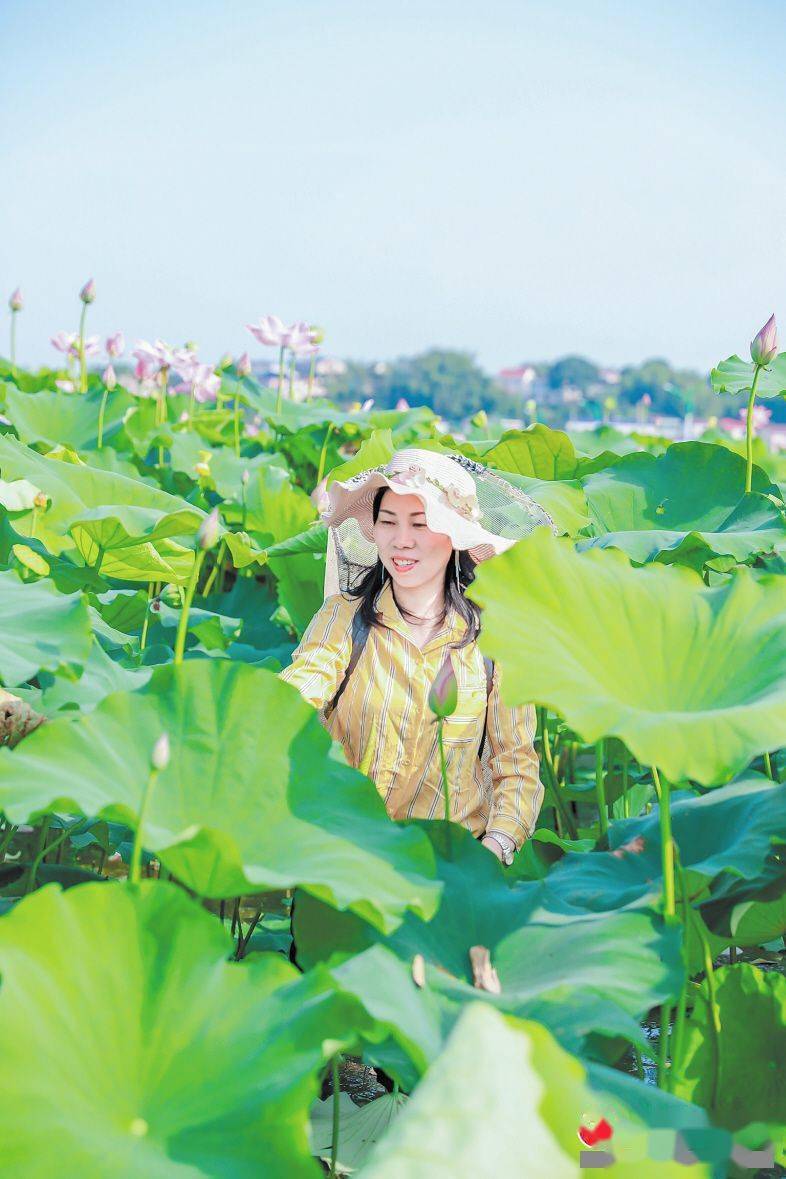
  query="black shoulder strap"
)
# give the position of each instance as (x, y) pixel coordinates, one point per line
(489, 666)
(359, 636)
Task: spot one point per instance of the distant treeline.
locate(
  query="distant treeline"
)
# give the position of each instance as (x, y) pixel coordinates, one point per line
(454, 386)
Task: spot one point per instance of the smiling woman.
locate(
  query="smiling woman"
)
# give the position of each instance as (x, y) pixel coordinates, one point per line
(404, 540)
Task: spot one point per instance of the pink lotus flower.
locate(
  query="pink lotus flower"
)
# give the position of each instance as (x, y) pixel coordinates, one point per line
(273, 332)
(270, 331)
(243, 366)
(764, 345)
(202, 382)
(16, 302)
(115, 345)
(69, 342)
(319, 496)
(109, 378)
(88, 291)
(154, 356)
(759, 417)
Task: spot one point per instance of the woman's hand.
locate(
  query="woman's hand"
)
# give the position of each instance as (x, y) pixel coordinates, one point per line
(493, 845)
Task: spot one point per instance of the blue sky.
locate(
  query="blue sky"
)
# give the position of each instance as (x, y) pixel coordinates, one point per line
(518, 179)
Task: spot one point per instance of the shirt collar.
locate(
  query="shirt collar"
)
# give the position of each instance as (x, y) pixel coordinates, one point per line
(452, 629)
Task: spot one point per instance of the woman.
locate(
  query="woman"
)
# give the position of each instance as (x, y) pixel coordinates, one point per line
(404, 540)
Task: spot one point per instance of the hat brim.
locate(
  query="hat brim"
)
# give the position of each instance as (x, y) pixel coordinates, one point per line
(348, 500)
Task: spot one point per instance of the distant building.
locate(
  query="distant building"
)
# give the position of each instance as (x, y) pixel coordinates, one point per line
(519, 380)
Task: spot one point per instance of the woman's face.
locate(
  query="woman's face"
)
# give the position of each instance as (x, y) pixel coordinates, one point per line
(412, 554)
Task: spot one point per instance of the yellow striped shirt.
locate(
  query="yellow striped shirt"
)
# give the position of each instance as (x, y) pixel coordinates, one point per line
(383, 720)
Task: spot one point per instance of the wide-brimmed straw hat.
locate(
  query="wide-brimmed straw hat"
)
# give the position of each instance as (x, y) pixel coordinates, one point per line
(481, 512)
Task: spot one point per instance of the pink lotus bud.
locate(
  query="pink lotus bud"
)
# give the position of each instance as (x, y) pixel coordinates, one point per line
(208, 532)
(88, 291)
(443, 697)
(244, 478)
(16, 302)
(109, 378)
(402, 404)
(243, 367)
(646, 399)
(367, 404)
(764, 345)
(159, 758)
(319, 496)
(115, 345)
(298, 339)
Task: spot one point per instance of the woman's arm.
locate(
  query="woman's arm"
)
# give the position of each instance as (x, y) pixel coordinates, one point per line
(319, 662)
(517, 792)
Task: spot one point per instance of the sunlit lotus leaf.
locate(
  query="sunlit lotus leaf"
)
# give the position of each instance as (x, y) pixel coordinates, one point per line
(687, 505)
(141, 431)
(66, 418)
(101, 675)
(295, 415)
(242, 803)
(373, 452)
(145, 1051)
(691, 678)
(225, 468)
(736, 376)
(212, 630)
(40, 629)
(754, 923)
(537, 452)
(125, 525)
(732, 844)
(739, 1076)
(581, 974)
(504, 1089)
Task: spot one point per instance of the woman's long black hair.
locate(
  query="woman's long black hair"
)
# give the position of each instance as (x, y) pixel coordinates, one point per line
(370, 583)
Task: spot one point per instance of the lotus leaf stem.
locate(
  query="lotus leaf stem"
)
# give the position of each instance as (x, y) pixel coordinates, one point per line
(40, 852)
(236, 419)
(336, 1116)
(280, 378)
(323, 454)
(101, 411)
(600, 789)
(749, 430)
(444, 772)
(714, 1021)
(82, 360)
(678, 1033)
(146, 621)
(311, 370)
(666, 843)
(13, 344)
(548, 761)
(768, 767)
(213, 572)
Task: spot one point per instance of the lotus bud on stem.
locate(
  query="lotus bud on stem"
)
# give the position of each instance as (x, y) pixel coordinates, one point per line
(243, 370)
(442, 700)
(15, 303)
(764, 348)
(110, 382)
(159, 760)
(207, 538)
(87, 296)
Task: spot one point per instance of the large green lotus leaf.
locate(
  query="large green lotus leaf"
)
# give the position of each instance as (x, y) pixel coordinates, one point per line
(754, 923)
(736, 376)
(65, 418)
(503, 1090)
(109, 513)
(688, 503)
(739, 1076)
(226, 468)
(691, 678)
(728, 841)
(580, 974)
(276, 511)
(538, 452)
(133, 1047)
(40, 629)
(360, 1127)
(250, 800)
